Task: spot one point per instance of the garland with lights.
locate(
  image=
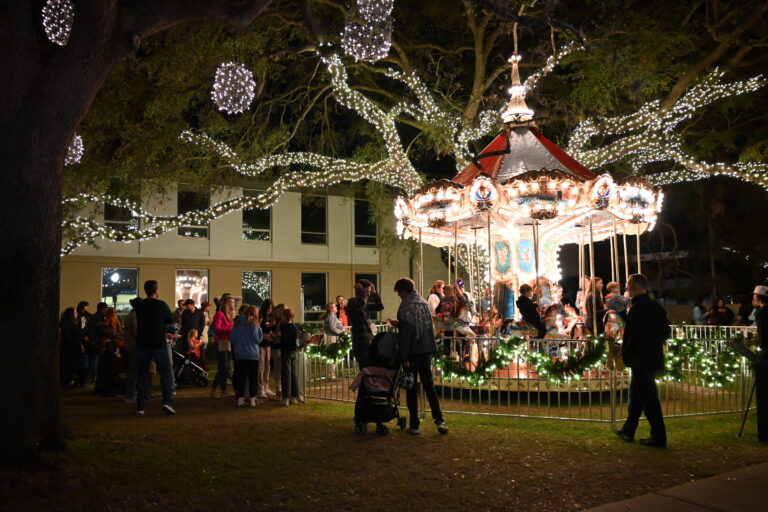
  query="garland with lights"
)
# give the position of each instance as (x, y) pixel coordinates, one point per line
(715, 368)
(333, 352)
(233, 88)
(74, 151)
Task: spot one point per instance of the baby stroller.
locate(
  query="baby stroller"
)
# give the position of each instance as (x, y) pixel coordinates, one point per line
(377, 385)
(187, 372)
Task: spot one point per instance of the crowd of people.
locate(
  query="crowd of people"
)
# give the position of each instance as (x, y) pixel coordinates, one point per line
(720, 314)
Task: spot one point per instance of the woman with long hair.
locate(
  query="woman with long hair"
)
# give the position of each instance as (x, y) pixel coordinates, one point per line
(70, 347)
(245, 337)
(341, 310)
(268, 328)
(719, 314)
(112, 332)
(222, 324)
(435, 296)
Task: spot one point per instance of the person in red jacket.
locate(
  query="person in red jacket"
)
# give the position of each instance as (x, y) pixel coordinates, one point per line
(222, 324)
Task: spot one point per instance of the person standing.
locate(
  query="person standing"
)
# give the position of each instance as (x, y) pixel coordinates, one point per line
(289, 342)
(361, 309)
(70, 347)
(205, 307)
(700, 312)
(191, 318)
(529, 311)
(435, 296)
(268, 327)
(760, 301)
(94, 336)
(341, 310)
(111, 333)
(83, 318)
(152, 317)
(332, 329)
(416, 337)
(179, 307)
(646, 332)
(719, 314)
(595, 300)
(130, 331)
(245, 338)
(222, 323)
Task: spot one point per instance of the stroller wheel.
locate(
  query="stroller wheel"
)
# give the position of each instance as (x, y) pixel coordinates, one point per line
(202, 382)
(401, 422)
(361, 429)
(382, 430)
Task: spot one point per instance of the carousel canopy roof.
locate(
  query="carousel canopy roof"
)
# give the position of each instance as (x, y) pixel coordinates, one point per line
(529, 150)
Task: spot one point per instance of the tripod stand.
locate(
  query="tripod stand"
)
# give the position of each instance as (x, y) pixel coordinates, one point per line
(746, 410)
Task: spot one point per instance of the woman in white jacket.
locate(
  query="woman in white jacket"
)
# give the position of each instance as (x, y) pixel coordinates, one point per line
(435, 296)
(332, 329)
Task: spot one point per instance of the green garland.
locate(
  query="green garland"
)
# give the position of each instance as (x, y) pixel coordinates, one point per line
(334, 352)
(716, 369)
(513, 348)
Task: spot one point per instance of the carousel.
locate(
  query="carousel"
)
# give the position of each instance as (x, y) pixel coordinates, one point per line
(517, 204)
(507, 215)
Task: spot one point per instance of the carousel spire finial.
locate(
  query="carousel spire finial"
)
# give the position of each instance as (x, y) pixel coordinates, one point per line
(517, 112)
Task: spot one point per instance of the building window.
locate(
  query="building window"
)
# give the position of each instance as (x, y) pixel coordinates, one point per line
(365, 226)
(118, 217)
(257, 224)
(314, 286)
(257, 286)
(191, 200)
(118, 286)
(314, 212)
(192, 284)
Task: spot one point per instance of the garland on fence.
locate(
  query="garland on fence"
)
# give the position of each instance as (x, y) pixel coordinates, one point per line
(334, 352)
(716, 365)
(515, 348)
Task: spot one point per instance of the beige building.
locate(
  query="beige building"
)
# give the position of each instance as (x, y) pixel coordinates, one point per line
(312, 248)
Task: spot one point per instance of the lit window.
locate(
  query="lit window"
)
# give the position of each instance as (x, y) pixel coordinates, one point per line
(119, 286)
(257, 286)
(192, 284)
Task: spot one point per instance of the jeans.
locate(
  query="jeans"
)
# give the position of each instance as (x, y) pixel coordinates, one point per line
(164, 368)
(246, 371)
(223, 373)
(421, 366)
(288, 375)
(644, 398)
(264, 361)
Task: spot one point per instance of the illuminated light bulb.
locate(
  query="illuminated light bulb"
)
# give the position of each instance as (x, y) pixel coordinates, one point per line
(233, 88)
(58, 18)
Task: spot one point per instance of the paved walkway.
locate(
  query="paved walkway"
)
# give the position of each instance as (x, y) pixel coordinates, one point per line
(743, 490)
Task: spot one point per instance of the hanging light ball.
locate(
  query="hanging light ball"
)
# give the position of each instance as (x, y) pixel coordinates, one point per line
(368, 30)
(75, 151)
(234, 88)
(58, 16)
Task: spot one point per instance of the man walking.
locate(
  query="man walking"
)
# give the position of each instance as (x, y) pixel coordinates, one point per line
(760, 301)
(152, 316)
(417, 344)
(646, 332)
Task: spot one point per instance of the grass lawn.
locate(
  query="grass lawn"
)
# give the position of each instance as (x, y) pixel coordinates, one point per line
(212, 456)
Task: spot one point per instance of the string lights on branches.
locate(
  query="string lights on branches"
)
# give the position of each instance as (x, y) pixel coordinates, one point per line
(58, 17)
(368, 30)
(233, 88)
(75, 151)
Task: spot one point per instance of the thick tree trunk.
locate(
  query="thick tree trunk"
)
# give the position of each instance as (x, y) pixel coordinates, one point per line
(46, 91)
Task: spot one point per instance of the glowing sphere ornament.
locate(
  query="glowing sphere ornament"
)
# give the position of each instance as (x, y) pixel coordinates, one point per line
(234, 88)
(368, 30)
(58, 16)
(75, 151)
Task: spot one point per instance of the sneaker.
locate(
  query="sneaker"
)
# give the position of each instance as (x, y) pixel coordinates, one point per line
(441, 428)
(413, 431)
(302, 399)
(254, 402)
(140, 412)
(294, 401)
(285, 403)
(168, 409)
(269, 393)
(240, 402)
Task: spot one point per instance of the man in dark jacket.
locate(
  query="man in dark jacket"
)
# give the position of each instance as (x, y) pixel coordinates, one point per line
(416, 338)
(760, 301)
(152, 317)
(191, 318)
(361, 310)
(529, 311)
(646, 332)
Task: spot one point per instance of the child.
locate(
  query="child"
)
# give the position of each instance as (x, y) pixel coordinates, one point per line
(289, 342)
(445, 310)
(245, 338)
(195, 345)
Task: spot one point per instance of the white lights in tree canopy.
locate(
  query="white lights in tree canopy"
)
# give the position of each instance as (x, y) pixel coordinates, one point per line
(75, 151)
(368, 30)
